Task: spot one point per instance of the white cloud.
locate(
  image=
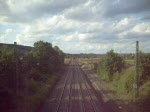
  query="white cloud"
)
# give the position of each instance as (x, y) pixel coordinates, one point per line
(8, 31)
(6, 35)
(56, 26)
(66, 38)
(123, 24)
(142, 28)
(138, 31)
(83, 36)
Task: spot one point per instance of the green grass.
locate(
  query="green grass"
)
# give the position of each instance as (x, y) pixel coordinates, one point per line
(36, 92)
(121, 84)
(43, 91)
(145, 92)
(122, 87)
(132, 62)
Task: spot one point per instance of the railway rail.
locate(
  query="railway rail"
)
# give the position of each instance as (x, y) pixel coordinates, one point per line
(73, 93)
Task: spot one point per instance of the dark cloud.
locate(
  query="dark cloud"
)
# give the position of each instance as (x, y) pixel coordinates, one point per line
(82, 10)
(146, 17)
(120, 7)
(97, 10)
(27, 11)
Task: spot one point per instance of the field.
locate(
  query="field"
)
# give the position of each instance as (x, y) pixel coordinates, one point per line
(88, 63)
(67, 61)
(132, 62)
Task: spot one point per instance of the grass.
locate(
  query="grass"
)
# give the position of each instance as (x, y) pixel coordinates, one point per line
(43, 91)
(131, 61)
(88, 60)
(120, 88)
(36, 92)
(121, 84)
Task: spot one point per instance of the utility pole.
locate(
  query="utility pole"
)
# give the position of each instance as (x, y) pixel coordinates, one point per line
(136, 85)
(16, 68)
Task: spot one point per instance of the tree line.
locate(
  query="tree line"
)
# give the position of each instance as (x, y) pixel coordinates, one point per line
(18, 69)
(113, 63)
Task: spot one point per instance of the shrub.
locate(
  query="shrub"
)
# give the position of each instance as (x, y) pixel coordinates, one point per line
(145, 66)
(111, 64)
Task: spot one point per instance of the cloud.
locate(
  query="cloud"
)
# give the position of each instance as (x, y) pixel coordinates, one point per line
(96, 10)
(139, 31)
(92, 36)
(50, 29)
(66, 38)
(5, 35)
(29, 10)
(77, 26)
(121, 7)
(146, 17)
(123, 24)
(83, 12)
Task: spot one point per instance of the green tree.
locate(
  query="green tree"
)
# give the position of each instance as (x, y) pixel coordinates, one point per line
(145, 65)
(61, 55)
(7, 57)
(28, 62)
(113, 63)
(46, 56)
(7, 82)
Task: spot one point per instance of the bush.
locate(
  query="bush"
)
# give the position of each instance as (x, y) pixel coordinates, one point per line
(145, 66)
(33, 86)
(125, 84)
(145, 91)
(102, 71)
(111, 64)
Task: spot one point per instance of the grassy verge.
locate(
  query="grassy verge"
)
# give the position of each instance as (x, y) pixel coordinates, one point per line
(44, 91)
(120, 90)
(36, 92)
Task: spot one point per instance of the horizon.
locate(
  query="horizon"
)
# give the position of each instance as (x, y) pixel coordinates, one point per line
(79, 52)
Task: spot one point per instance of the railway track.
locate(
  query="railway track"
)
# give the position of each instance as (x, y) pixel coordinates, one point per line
(73, 94)
(90, 100)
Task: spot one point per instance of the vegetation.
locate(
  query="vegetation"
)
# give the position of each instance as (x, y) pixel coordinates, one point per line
(112, 63)
(84, 55)
(26, 77)
(145, 66)
(119, 75)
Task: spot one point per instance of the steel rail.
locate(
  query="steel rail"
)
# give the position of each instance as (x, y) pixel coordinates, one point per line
(60, 100)
(80, 91)
(89, 94)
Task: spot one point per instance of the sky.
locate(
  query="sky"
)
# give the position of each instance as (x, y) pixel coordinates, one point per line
(77, 26)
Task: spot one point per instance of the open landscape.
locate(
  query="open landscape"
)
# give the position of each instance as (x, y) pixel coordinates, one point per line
(74, 56)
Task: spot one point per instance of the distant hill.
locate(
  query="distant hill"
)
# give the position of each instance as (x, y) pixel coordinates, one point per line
(21, 48)
(84, 55)
(24, 49)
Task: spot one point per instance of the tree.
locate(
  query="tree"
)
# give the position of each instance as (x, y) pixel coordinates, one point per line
(7, 80)
(145, 65)
(47, 56)
(60, 53)
(114, 63)
(7, 57)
